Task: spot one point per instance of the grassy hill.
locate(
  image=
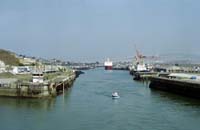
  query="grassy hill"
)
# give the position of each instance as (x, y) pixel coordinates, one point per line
(9, 58)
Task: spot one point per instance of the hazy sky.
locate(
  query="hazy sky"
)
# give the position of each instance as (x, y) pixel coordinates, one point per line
(95, 29)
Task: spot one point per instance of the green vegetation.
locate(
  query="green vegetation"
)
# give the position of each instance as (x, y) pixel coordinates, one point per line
(22, 77)
(7, 75)
(9, 58)
(51, 76)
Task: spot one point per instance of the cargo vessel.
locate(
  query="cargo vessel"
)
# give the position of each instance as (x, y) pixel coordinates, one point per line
(108, 64)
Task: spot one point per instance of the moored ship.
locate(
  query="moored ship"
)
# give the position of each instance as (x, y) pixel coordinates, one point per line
(108, 64)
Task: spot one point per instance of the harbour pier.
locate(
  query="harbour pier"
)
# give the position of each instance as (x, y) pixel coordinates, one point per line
(143, 75)
(164, 70)
(147, 75)
(52, 85)
(186, 87)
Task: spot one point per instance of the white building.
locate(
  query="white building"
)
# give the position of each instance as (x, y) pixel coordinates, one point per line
(21, 70)
(38, 77)
(2, 67)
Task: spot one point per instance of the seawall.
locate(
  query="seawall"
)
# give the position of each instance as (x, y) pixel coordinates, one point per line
(189, 88)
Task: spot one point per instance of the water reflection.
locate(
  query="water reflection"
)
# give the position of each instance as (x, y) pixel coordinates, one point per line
(37, 104)
(144, 82)
(174, 98)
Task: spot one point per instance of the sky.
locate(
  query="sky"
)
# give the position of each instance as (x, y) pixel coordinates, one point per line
(91, 30)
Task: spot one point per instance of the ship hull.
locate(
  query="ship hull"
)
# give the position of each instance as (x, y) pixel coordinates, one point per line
(108, 67)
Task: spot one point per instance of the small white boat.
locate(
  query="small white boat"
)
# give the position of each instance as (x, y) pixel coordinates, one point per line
(115, 95)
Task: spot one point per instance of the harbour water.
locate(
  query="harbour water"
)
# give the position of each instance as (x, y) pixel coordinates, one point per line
(88, 105)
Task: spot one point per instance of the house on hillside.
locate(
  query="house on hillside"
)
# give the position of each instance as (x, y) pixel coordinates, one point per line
(28, 61)
(21, 70)
(2, 67)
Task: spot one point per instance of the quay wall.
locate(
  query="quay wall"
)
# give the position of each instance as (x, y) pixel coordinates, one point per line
(37, 90)
(26, 91)
(182, 87)
(143, 75)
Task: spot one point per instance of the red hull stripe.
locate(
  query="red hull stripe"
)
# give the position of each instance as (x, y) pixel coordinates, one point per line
(108, 67)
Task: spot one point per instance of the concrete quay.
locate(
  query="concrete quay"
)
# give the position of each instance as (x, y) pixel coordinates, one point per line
(53, 85)
(186, 87)
(147, 75)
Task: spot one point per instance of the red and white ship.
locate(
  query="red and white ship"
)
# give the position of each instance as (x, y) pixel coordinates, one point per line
(108, 64)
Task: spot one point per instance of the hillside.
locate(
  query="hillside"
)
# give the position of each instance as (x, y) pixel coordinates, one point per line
(8, 57)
